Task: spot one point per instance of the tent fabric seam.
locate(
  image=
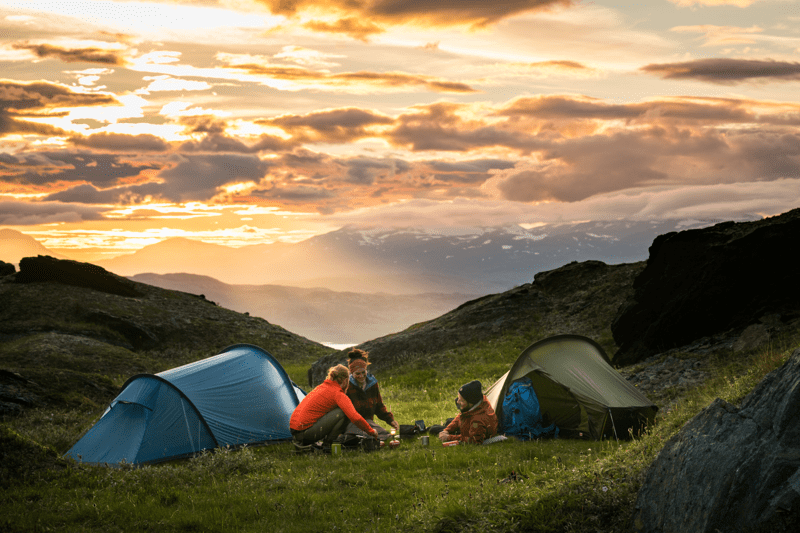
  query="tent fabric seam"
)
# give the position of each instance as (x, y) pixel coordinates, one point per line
(183, 396)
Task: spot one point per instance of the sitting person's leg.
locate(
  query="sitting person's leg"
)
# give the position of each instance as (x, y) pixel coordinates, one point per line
(353, 429)
(327, 428)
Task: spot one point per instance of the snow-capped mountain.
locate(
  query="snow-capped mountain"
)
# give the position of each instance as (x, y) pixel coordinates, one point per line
(407, 261)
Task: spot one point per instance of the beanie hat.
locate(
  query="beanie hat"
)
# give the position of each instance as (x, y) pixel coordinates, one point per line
(472, 392)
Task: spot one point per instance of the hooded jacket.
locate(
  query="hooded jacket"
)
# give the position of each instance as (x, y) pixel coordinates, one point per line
(368, 401)
(474, 426)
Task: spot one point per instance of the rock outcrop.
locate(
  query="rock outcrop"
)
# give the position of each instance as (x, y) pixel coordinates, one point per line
(44, 268)
(731, 469)
(703, 282)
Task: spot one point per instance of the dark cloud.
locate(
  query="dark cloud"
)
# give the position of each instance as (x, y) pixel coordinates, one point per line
(74, 55)
(32, 213)
(577, 168)
(18, 100)
(88, 194)
(335, 125)
(474, 165)
(438, 127)
(198, 177)
(295, 194)
(473, 172)
(217, 141)
(122, 142)
(42, 95)
(50, 167)
(222, 143)
(365, 171)
(574, 108)
(727, 71)
(769, 156)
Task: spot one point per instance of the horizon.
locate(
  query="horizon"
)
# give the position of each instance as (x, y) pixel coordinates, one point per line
(242, 122)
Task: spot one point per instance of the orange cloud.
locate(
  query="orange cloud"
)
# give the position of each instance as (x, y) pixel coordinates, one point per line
(441, 13)
(350, 26)
(365, 80)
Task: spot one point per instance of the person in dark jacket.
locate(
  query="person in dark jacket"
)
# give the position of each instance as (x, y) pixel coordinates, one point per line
(366, 396)
(476, 421)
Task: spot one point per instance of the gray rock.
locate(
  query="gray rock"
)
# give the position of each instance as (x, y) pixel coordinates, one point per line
(730, 469)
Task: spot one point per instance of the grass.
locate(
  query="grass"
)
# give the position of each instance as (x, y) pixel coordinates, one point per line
(549, 485)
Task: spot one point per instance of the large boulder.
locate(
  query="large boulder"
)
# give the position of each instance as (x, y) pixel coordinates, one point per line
(730, 469)
(699, 283)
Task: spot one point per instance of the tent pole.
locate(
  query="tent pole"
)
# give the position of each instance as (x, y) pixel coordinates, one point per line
(613, 425)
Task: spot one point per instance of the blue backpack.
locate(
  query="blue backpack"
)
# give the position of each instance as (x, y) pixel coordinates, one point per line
(522, 417)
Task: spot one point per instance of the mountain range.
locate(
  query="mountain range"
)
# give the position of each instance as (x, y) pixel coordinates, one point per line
(408, 261)
(351, 285)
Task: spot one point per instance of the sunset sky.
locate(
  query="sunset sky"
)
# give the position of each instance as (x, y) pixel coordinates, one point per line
(252, 121)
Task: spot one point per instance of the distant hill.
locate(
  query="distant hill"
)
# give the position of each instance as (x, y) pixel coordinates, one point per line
(15, 245)
(323, 315)
(67, 329)
(408, 261)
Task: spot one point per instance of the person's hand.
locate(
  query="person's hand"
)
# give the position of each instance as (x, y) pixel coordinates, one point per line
(396, 426)
(443, 435)
(374, 434)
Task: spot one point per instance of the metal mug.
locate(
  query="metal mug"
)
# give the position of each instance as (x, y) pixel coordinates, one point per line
(425, 440)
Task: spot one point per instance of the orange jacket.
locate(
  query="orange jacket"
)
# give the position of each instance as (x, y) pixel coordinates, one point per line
(474, 426)
(324, 398)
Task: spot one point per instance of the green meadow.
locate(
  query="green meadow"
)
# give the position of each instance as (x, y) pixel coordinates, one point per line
(548, 485)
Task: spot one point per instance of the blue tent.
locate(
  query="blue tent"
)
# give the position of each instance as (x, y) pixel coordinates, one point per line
(241, 396)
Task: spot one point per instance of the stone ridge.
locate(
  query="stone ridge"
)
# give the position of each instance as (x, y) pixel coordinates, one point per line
(703, 282)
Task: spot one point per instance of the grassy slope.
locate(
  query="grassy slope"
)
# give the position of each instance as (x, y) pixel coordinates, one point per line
(559, 485)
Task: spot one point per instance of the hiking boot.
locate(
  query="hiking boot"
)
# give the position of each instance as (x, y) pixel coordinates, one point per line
(303, 448)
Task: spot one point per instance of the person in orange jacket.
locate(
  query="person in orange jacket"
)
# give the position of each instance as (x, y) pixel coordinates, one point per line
(476, 421)
(324, 412)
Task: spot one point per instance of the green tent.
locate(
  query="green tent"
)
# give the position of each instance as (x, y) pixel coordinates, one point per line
(577, 389)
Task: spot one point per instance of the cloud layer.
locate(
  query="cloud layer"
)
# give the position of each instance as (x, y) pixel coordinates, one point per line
(451, 112)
